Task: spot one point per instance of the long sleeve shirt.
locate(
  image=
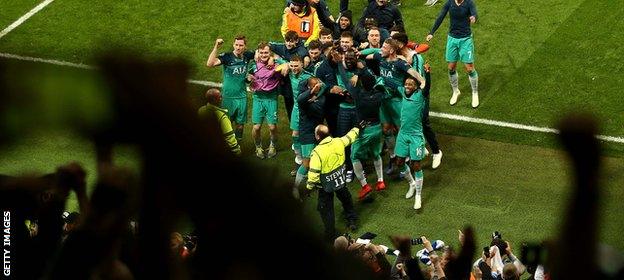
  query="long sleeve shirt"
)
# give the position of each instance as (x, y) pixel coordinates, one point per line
(327, 162)
(387, 15)
(460, 18)
(224, 122)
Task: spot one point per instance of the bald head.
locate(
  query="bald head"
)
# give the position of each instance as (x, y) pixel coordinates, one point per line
(341, 243)
(213, 96)
(321, 131)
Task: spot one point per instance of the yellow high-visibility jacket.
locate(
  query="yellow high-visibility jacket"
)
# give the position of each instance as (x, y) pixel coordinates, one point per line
(327, 162)
(224, 122)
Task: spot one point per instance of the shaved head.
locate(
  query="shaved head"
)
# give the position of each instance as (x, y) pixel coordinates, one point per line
(341, 243)
(213, 96)
(321, 131)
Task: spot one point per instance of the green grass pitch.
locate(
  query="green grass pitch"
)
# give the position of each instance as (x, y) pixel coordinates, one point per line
(536, 61)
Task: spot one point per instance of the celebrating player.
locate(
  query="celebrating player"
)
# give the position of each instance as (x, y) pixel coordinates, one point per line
(234, 77)
(459, 44)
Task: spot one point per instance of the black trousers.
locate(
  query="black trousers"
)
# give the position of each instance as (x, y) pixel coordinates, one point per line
(326, 209)
(287, 92)
(427, 130)
(347, 119)
(331, 117)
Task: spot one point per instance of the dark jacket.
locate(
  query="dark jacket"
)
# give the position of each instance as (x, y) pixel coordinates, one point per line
(387, 15)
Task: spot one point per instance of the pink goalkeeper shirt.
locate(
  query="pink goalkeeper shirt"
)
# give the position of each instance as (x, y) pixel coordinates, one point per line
(265, 77)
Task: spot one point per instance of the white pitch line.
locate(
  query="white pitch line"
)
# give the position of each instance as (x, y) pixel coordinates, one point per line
(84, 66)
(48, 61)
(21, 20)
(493, 122)
(433, 114)
(515, 125)
(205, 83)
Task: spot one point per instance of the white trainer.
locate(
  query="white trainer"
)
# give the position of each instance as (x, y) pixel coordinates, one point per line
(349, 176)
(431, 2)
(427, 152)
(437, 159)
(298, 159)
(410, 191)
(475, 99)
(454, 97)
(417, 202)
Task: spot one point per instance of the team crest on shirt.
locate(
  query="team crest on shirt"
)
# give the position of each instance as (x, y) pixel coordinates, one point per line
(238, 70)
(386, 73)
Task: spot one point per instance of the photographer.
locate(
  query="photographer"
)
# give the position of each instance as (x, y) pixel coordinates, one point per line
(371, 254)
(183, 246)
(431, 258)
(502, 262)
(511, 258)
(405, 266)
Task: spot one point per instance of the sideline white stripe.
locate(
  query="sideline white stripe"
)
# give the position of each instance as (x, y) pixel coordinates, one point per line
(84, 66)
(21, 20)
(515, 125)
(433, 114)
(205, 83)
(493, 122)
(48, 61)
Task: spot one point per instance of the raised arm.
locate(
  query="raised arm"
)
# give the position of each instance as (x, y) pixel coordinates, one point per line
(213, 60)
(417, 76)
(439, 20)
(350, 136)
(284, 27)
(324, 19)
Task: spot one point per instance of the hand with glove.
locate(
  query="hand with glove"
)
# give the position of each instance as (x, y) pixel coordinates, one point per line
(363, 124)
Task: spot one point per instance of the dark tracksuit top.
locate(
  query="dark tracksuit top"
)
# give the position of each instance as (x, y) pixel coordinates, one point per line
(326, 71)
(387, 15)
(367, 104)
(311, 114)
(460, 23)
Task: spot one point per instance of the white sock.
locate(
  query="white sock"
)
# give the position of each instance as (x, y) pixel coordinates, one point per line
(408, 176)
(419, 184)
(419, 178)
(358, 169)
(474, 83)
(454, 80)
(378, 169)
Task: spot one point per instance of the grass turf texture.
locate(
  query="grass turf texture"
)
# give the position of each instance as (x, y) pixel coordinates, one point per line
(12, 10)
(535, 59)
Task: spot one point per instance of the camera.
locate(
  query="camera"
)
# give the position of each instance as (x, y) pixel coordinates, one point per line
(190, 241)
(417, 241)
(496, 234)
(486, 251)
(497, 240)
